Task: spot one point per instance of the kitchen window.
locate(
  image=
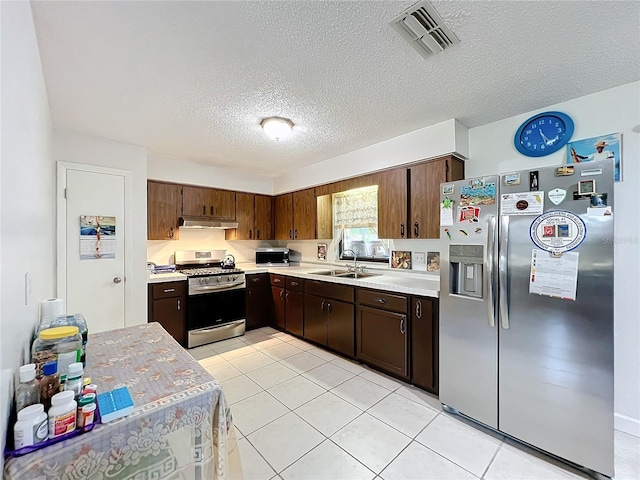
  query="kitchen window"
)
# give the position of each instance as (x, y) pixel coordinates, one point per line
(355, 220)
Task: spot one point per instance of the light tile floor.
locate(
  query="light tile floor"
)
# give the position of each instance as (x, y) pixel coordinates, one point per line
(304, 413)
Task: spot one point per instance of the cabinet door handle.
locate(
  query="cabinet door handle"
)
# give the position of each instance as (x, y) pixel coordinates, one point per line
(291, 234)
(250, 234)
(295, 235)
(204, 209)
(416, 229)
(403, 327)
(419, 309)
(402, 230)
(322, 306)
(169, 290)
(255, 280)
(380, 300)
(171, 233)
(286, 296)
(178, 304)
(295, 284)
(281, 293)
(276, 280)
(212, 210)
(258, 236)
(329, 307)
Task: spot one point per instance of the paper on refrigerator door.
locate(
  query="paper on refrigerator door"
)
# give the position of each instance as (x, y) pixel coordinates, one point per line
(554, 276)
(446, 213)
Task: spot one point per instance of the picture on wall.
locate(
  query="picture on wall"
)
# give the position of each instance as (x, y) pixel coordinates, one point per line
(433, 261)
(322, 251)
(598, 148)
(400, 259)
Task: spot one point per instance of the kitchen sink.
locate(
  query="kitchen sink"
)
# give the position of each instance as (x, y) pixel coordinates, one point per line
(344, 274)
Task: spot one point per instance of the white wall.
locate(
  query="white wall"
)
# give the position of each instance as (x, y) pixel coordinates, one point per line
(76, 148)
(614, 110)
(440, 139)
(27, 221)
(178, 171)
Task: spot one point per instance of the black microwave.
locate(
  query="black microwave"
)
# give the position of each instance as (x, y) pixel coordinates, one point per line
(276, 257)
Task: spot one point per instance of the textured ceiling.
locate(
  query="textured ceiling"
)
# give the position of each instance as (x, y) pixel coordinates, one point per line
(192, 80)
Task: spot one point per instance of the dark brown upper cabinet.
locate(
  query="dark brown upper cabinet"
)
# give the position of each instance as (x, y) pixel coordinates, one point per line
(163, 210)
(208, 202)
(295, 215)
(254, 215)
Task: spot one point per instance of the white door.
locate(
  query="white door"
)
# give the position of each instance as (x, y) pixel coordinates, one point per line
(95, 265)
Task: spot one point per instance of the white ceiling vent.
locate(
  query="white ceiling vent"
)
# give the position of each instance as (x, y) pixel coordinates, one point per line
(423, 28)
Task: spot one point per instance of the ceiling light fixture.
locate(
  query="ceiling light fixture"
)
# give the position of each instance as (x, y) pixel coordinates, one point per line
(277, 127)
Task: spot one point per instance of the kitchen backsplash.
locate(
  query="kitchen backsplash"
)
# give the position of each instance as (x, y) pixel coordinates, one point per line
(161, 252)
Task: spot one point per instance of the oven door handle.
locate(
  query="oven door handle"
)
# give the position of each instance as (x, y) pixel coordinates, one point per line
(202, 331)
(209, 288)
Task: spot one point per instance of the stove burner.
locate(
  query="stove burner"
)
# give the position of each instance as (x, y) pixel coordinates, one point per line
(208, 271)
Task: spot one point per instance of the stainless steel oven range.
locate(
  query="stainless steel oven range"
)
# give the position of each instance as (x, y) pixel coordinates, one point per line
(215, 302)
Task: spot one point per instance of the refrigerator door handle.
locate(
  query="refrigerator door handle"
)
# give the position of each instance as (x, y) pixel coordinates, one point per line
(491, 245)
(503, 247)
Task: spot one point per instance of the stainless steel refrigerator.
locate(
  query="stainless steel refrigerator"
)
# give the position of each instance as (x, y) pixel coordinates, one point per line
(526, 307)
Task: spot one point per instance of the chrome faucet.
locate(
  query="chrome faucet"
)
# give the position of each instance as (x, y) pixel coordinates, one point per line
(355, 267)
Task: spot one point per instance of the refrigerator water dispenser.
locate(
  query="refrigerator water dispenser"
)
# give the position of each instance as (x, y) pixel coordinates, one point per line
(466, 263)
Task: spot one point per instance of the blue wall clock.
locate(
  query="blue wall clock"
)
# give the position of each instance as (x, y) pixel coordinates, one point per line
(543, 134)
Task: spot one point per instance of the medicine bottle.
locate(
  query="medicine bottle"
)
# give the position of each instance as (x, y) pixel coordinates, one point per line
(74, 378)
(62, 414)
(49, 383)
(31, 427)
(28, 391)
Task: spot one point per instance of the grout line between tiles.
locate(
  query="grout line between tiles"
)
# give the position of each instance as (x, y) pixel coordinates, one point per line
(493, 457)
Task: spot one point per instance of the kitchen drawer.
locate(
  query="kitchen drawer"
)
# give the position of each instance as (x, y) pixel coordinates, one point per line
(296, 284)
(383, 300)
(277, 280)
(169, 289)
(330, 290)
(257, 280)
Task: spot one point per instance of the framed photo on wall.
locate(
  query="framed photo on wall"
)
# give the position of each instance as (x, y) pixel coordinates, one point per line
(400, 259)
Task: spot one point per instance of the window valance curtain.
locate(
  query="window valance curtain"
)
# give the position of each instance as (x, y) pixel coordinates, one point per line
(356, 208)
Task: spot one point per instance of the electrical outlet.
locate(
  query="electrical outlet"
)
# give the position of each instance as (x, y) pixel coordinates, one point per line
(419, 257)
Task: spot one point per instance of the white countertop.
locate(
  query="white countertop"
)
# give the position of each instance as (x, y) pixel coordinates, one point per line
(413, 283)
(165, 277)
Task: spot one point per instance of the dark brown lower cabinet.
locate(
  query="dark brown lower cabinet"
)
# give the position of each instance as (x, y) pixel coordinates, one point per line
(315, 320)
(167, 307)
(277, 294)
(294, 311)
(341, 327)
(258, 302)
(424, 343)
(383, 340)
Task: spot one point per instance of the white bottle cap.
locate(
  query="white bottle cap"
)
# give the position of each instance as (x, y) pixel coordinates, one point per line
(31, 411)
(75, 370)
(63, 397)
(27, 372)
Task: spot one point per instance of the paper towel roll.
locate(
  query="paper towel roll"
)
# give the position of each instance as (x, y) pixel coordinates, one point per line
(51, 308)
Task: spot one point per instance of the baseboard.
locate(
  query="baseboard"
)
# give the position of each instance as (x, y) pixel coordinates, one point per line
(626, 424)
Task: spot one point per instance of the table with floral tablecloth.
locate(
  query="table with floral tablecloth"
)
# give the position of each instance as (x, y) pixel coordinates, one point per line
(180, 427)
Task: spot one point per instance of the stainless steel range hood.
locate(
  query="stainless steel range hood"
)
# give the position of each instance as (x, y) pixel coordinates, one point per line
(205, 222)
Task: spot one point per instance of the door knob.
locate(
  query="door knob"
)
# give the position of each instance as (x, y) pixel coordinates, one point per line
(117, 279)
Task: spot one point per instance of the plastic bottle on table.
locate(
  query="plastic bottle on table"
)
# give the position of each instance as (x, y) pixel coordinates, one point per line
(49, 383)
(62, 414)
(32, 427)
(28, 391)
(74, 378)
